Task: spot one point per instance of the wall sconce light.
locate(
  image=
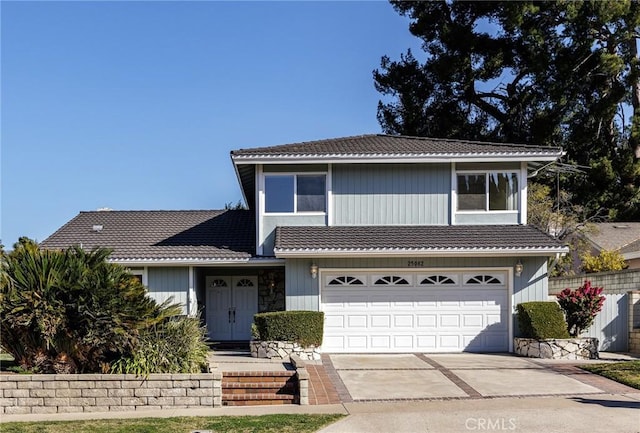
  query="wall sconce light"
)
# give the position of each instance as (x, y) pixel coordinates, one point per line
(313, 270)
(518, 268)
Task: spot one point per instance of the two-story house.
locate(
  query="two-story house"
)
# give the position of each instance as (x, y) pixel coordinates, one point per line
(407, 244)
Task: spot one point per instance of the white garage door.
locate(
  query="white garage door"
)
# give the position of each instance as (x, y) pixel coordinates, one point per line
(398, 311)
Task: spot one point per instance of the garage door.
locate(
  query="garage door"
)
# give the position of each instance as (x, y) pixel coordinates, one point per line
(415, 311)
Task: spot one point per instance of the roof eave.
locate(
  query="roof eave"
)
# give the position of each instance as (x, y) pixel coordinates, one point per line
(239, 179)
(227, 261)
(422, 252)
(386, 158)
(631, 255)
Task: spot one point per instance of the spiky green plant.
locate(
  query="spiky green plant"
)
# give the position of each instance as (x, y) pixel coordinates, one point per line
(71, 310)
(176, 345)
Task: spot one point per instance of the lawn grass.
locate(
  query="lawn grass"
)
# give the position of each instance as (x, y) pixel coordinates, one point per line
(241, 424)
(626, 372)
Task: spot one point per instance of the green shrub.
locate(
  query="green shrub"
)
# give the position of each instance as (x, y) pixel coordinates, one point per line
(541, 320)
(71, 311)
(175, 345)
(302, 327)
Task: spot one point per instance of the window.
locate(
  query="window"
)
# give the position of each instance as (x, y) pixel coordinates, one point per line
(346, 281)
(391, 279)
(295, 193)
(437, 279)
(140, 274)
(492, 191)
(483, 280)
(278, 193)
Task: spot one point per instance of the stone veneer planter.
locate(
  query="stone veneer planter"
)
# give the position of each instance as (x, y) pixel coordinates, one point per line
(569, 348)
(283, 350)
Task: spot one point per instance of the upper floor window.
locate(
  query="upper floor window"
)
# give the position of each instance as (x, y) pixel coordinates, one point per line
(295, 193)
(492, 191)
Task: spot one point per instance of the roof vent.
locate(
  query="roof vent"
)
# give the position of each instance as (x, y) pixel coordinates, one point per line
(97, 228)
(620, 226)
(104, 209)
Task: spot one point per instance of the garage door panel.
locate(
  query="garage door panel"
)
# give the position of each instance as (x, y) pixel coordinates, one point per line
(451, 342)
(357, 321)
(403, 320)
(381, 321)
(426, 303)
(427, 320)
(381, 342)
(426, 342)
(473, 321)
(333, 321)
(357, 342)
(449, 303)
(417, 317)
(403, 342)
(449, 320)
(336, 342)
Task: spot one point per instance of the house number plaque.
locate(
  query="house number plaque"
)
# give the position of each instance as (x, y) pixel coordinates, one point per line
(415, 263)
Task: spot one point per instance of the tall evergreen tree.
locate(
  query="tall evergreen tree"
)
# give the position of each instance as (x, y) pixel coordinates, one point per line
(557, 73)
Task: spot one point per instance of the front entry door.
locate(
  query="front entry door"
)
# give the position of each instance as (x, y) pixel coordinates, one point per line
(231, 304)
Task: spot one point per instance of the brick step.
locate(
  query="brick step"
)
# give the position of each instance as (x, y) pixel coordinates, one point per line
(256, 402)
(256, 375)
(244, 388)
(226, 384)
(234, 387)
(257, 399)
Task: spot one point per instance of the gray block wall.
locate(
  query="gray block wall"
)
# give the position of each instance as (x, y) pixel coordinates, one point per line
(63, 393)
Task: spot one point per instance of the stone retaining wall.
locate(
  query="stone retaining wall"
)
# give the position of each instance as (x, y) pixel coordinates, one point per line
(57, 393)
(570, 348)
(283, 350)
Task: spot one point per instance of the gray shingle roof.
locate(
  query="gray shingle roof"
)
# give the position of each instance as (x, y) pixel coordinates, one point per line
(162, 235)
(622, 236)
(380, 145)
(413, 238)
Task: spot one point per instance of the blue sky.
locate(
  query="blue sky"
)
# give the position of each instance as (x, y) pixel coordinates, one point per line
(136, 105)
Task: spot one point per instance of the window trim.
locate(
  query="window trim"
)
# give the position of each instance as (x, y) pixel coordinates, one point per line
(486, 209)
(295, 192)
(142, 273)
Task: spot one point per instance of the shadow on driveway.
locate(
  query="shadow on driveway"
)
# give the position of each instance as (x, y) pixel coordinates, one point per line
(608, 403)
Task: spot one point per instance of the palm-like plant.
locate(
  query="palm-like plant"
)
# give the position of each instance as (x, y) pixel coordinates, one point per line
(71, 311)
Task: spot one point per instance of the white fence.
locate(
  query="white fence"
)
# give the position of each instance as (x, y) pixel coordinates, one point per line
(611, 326)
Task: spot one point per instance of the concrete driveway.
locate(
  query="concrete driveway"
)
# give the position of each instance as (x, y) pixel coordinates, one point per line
(476, 392)
(369, 378)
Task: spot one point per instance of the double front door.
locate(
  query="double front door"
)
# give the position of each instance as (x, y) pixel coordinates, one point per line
(231, 304)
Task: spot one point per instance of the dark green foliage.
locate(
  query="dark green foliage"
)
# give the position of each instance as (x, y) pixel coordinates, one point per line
(303, 327)
(541, 320)
(547, 73)
(175, 345)
(71, 311)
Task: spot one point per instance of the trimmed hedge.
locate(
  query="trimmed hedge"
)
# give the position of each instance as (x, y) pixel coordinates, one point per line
(541, 320)
(303, 327)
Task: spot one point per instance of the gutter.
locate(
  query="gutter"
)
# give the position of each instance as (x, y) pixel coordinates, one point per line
(405, 252)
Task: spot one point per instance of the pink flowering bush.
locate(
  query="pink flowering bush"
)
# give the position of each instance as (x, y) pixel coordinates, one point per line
(580, 306)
